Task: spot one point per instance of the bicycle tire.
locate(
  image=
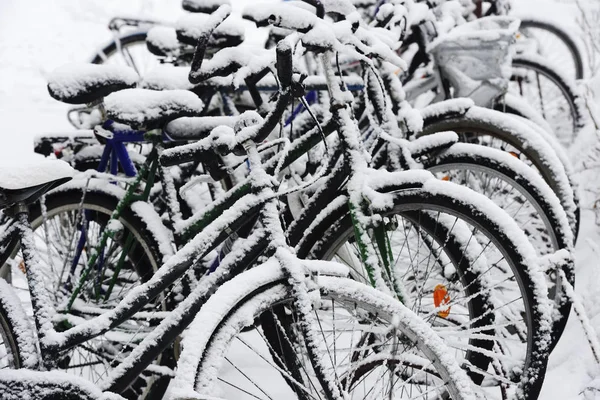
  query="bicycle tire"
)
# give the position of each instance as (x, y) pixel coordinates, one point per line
(15, 332)
(483, 126)
(199, 369)
(126, 41)
(564, 91)
(563, 36)
(101, 203)
(316, 244)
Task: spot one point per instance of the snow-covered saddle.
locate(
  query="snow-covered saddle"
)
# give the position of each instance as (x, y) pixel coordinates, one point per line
(149, 109)
(203, 6)
(87, 83)
(162, 42)
(195, 128)
(190, 27)
(26, 179)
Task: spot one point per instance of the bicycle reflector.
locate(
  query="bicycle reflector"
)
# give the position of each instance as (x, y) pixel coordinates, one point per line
(441, 297)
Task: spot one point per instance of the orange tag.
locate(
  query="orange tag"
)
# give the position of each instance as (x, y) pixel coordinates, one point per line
(512, 153)
(441, 297)
(446, 178)
(22, 266)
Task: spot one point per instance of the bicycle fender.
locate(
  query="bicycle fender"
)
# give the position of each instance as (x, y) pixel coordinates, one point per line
(445, 109)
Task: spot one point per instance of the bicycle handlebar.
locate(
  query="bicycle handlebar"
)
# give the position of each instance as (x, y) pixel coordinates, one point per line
(284, 63)
(215, 19)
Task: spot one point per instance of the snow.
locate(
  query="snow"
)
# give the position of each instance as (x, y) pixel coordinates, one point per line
(459, 106)
(475, 33)
(141, 106)
(162, 235)
(285, 15)
(32, 385)
(164, 38)
(20, 322)
(23, 170)
(167, 77)
(343, 7)
(250, 58)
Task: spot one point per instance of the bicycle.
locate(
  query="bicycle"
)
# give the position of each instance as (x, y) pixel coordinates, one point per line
(556, 228)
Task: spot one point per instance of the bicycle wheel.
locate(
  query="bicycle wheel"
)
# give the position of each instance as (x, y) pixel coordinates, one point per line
(550, 93)
(67, 226)
(128, 50)
(554, 44)
(375, 348)
(523, 195)
(494, 129)
(433, 254)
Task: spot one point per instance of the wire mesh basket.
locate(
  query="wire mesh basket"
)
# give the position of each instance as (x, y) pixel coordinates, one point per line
(476, 57)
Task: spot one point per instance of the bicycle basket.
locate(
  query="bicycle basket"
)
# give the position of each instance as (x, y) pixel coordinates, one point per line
(476, 57)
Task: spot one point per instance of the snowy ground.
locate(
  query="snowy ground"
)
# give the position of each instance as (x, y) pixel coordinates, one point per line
(37, 36)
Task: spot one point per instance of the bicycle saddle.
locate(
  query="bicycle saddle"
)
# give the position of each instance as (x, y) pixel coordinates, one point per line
(31, 179)
(203, 6)
(229, 33)
(162, 42)
(195, 128)
(150, 109)
(86, 83)
(167, 77)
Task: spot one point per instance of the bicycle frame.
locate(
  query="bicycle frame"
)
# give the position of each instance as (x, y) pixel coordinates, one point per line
(115, 151)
